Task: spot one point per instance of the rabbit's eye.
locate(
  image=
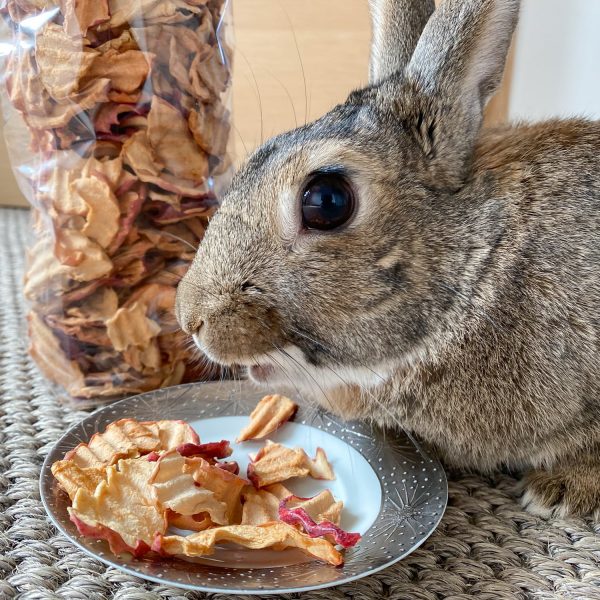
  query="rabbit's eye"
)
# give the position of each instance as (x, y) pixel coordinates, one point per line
(327, 202)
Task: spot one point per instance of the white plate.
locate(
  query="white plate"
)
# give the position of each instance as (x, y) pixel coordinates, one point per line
(394, 495)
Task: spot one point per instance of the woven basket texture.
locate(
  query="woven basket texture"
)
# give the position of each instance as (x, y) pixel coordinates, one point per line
(487, 547)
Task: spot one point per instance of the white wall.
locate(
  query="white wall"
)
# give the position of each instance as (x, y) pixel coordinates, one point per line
(557, 62)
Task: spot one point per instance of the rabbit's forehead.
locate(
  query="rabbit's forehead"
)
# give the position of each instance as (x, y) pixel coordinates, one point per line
(338, 137)
(288, 166)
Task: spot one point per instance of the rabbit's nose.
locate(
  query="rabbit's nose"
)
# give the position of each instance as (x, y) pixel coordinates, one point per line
(196, 328)
(191, 325)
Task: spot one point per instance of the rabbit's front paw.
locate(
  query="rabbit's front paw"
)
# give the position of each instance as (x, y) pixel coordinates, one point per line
(568, 490)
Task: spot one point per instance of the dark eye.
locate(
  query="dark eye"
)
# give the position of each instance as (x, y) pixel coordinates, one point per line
(327, 202)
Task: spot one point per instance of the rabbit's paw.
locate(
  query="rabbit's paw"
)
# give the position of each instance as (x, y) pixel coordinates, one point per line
(568, 490)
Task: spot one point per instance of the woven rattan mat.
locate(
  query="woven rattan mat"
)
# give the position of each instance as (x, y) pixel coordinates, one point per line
(486, 546)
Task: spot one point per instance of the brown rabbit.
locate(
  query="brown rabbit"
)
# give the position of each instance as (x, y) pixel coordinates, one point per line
(399, 264)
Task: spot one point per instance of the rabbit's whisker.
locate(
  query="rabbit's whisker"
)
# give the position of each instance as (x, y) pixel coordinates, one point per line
(312, 404)
(288, 94)
(179, 239)
(237, 131)
(258, 96)
(329, 353)
(308, 374)
(293, 30)
(363, 389)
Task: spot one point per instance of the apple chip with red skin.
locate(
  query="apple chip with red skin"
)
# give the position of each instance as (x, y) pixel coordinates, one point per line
(323, 529)
(209, 452)
(126, 504)
(262, 506)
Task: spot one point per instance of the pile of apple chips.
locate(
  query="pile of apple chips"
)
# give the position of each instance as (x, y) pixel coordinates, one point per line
(125, 105)
(137, 482)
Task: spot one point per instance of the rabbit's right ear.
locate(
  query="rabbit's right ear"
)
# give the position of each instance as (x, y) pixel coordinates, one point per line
(397, 26)
(456, 67)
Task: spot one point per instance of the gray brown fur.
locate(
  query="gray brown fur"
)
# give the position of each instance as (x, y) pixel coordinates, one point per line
(463, 300)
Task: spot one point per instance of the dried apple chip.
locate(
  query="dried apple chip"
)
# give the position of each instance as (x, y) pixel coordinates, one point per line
(270, 414)
(46, 351)
(131, 327)
(144, 360)
(205, 123)
(83, 260)
(275, 463)
(230, 466)
(130, 438)
(324, 529)
(61, 60)
(72, 477)
(125, 11)
(80, 15)
(125, 504)
(108, 169)
(210, 451)
(171, 434)
(262, 506)
(115, 541)
(138, 154)
(102, 214)
(176, 490)
(319, 467)
(226, 486)
(59, 114)
(99, 306)
(171, 140)
(322, 507)
(278, 535)
(199, 522)
(259, 507)
(127, 71)
(121, 439)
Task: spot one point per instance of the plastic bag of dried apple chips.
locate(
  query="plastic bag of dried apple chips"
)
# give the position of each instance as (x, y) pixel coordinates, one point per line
(117, 122)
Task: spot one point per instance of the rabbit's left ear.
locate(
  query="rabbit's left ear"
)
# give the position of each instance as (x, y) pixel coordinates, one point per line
(456, 67)
(397, 26)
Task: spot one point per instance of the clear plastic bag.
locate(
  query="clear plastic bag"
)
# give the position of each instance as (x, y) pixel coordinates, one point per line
(117, 124)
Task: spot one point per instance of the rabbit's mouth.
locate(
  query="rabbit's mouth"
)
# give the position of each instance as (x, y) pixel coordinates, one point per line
(261, 373)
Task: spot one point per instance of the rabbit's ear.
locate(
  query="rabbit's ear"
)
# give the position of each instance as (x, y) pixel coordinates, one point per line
(397, 26)
(456, 67)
